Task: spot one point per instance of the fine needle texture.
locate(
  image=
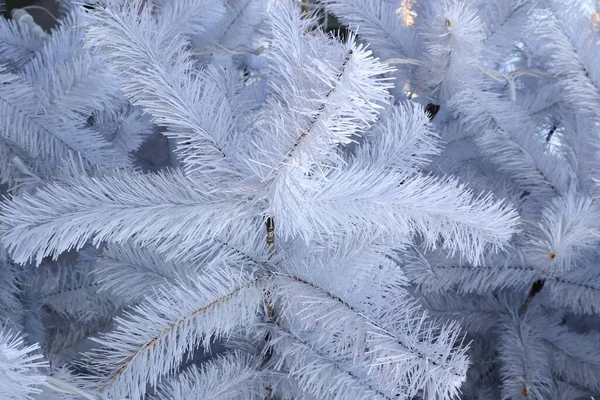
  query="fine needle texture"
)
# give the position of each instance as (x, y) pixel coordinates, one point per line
(221, 199)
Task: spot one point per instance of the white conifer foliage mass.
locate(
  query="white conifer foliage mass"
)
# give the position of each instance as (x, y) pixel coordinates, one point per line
(20, 367)
(512, 121)
(229, 199)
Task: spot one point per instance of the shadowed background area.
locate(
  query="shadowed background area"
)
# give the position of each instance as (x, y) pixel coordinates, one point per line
(40, 16)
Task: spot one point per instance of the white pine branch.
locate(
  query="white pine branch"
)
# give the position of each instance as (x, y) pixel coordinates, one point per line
(395, 365)
(19, 43)
(525, 358)
(115, 208)
(44, 140)
(21, 367)
(190, 17)
(434, 272)
(402, 138)
(322, 93)
(378, 201)
(235, 31)
(572, 54)
(132, 272)
(317, 373)
(476, 314)
(577, 289)
(376, 23)
(568, 229)
(151, 341)
(453, 37)
(576, 358)
(157, 71)
(524, 156)
(234, 376)
(70, 291)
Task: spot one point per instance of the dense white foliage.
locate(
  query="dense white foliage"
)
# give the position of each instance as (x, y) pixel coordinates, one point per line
(216, 199)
